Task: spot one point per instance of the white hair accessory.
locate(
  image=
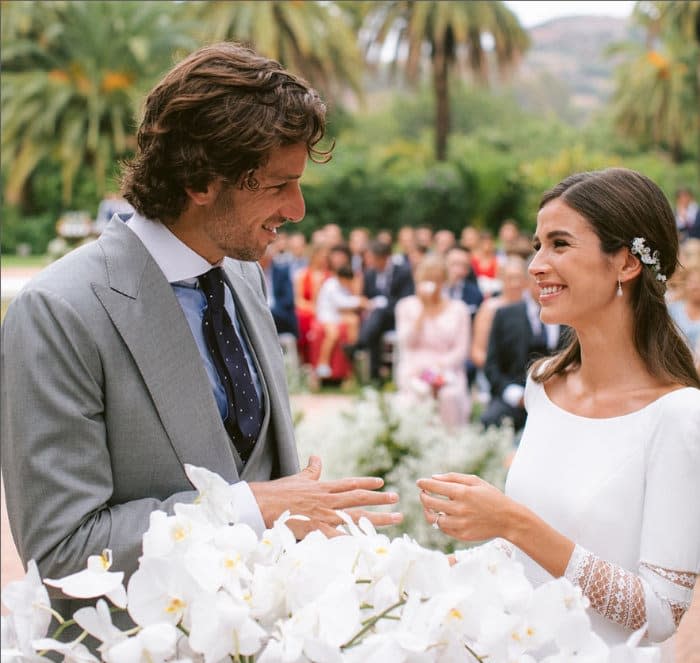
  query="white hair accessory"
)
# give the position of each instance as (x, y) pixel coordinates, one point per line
(640, 248)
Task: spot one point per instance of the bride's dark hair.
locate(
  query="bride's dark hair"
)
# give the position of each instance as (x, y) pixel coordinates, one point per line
(622, 204)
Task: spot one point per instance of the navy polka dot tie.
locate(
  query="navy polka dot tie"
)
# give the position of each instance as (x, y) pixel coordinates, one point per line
(243, 418)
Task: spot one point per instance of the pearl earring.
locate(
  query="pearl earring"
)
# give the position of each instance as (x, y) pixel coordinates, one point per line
(619, 288)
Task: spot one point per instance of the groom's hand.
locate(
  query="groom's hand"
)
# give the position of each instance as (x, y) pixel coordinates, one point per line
(305, 494)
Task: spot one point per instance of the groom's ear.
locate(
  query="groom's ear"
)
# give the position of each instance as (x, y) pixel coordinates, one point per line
(205, 196)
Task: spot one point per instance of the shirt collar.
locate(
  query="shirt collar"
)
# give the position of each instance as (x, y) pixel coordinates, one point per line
(176, 260)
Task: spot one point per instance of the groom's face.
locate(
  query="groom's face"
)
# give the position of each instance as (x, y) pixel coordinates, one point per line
(241, 220)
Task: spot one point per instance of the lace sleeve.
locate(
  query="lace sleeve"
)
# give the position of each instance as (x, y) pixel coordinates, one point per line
(626, 598)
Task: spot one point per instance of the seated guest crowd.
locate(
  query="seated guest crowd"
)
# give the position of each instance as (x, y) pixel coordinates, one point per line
(461, 315)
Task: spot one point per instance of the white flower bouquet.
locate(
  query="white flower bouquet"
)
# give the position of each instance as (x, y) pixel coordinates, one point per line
(208, 590)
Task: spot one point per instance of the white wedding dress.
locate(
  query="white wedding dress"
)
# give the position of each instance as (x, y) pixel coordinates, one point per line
(626, 490)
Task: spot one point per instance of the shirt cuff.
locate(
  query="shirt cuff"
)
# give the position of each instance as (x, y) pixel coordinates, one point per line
(513, 394)
(246, 508)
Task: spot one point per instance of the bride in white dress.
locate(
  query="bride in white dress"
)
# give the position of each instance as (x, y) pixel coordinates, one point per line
(605, 485)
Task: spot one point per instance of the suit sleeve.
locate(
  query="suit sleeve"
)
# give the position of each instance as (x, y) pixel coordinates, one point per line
(497, 378)
(402, 286)
(56, 459)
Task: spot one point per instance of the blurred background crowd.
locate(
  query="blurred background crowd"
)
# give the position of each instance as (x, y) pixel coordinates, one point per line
(453, 317)
(450, 119)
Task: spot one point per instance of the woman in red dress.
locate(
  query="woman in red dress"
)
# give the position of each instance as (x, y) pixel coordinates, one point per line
(307, 283)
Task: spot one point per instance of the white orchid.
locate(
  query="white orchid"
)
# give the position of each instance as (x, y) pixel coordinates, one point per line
(169, 536)
(160, 591)
(223, 561)
(96, 580)
(28, 601)
(97, 622)
(154, 644)
(222, 626)
(215, 499)
(72, 652)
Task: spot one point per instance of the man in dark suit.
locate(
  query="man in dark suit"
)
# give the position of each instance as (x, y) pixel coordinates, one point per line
(385, 282)
(280, 294)
(517, 338)
(461, 282)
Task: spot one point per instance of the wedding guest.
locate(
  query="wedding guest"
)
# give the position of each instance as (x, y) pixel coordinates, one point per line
(686, 212)
(604, 486)
(443, 241)
(461, 282)
(461, 285)
(339, 256)
(297, 250)
(485, 264)
(415, 255)
(433, 341)
(405, 241)
(517, 337)
(307, 282)
(469, 238)
(358, 242)
(338, 313)
(385, 236)
(515, 279)
(385, 282)
(113, 374)
(508, 236)
(689, 251)
(685, 310)
(280, 293)
(423, 236)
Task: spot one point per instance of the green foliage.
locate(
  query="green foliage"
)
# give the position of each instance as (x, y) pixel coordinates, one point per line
(665, 74)
(18, 229)
(384, 173)
(314, 39)
(73, 72)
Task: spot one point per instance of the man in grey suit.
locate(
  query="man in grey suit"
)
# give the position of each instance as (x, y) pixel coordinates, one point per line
(109, 385)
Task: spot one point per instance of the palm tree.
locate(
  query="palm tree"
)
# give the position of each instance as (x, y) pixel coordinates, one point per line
(455, 34)
(658, 88)
(313, 39)
(73, 72)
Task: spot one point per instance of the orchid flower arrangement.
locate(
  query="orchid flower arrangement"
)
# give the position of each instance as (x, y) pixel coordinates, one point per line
(208, 590)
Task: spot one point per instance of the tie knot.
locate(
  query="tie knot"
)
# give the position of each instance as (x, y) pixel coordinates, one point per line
(212, 284)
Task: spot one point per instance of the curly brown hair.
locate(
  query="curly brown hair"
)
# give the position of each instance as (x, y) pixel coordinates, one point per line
(220, 112)
(621, 204)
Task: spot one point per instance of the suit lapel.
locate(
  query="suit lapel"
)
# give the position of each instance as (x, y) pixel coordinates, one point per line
(143, 307)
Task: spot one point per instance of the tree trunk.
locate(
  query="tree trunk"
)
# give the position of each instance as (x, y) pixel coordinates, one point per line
(442, 102)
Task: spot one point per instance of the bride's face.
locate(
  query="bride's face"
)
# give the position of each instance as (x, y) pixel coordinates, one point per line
(577, 281)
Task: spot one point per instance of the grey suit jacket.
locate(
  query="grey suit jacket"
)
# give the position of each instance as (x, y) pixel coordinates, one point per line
(105, 398)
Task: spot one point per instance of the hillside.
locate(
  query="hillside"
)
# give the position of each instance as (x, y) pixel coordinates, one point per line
(567, 71)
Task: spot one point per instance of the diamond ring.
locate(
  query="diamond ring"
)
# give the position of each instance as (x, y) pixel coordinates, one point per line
(436, 522)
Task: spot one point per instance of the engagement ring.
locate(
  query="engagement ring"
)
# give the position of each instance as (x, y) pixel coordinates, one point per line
(436, 522)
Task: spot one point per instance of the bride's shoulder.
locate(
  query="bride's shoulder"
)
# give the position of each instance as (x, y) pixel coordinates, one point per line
(681, 400)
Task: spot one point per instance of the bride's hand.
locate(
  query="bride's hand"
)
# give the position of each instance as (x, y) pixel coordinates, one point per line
(471, 509)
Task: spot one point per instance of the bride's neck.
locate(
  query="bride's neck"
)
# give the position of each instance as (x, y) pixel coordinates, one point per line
(609, 360)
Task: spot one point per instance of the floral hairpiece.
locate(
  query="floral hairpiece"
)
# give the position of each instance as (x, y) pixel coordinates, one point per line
(645, 254)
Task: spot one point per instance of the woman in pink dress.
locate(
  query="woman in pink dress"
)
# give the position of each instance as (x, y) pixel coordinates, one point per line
(433, 340)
